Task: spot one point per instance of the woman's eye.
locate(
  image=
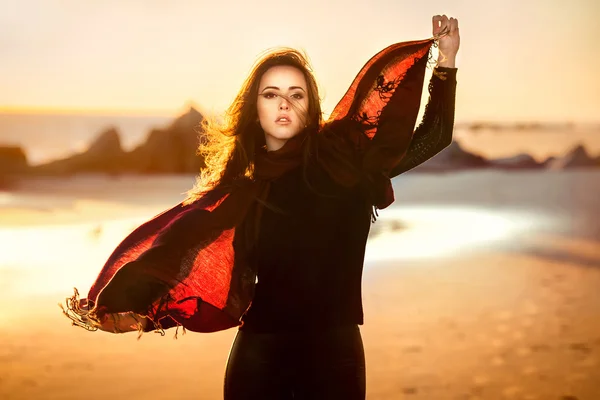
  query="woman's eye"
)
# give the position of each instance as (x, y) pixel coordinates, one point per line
(295, 96)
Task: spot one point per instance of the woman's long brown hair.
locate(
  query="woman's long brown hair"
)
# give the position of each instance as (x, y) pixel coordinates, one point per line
(228, 147)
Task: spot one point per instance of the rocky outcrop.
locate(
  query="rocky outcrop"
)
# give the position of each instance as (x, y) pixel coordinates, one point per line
(453, 157)
(104, 155)
(170, 150)
(578, 157)
(12, 160)
(13, 163)
(546, 163)
(520, 161)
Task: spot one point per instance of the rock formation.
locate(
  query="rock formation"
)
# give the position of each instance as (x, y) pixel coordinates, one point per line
(104, 155)
(453, 157)
(577, 157)
(520, 161)
(13, 162)
(170, 150)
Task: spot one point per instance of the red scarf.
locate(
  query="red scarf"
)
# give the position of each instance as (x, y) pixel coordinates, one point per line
(187, 266)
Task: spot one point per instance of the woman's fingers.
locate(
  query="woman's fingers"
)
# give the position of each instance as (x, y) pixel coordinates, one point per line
(436, 23)
(453, 25)
(442, 22)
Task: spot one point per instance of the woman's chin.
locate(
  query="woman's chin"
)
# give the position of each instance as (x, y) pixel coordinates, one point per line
(284, 134)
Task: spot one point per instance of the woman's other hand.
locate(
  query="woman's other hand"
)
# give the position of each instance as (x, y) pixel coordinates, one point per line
(450, 42)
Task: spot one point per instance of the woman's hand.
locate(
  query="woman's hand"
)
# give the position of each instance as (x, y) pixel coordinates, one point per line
(450, 42)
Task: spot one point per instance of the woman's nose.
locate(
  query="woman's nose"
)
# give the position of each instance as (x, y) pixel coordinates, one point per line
(283, 105)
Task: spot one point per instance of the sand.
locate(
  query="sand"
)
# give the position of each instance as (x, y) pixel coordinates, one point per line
(491, 321)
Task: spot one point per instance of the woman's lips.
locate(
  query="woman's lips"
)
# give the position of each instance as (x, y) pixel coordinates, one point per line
(283, 119)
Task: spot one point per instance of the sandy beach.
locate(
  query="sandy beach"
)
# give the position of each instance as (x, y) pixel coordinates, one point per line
(479, 285)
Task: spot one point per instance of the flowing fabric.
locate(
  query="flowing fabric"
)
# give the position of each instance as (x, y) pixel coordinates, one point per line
(188, 265)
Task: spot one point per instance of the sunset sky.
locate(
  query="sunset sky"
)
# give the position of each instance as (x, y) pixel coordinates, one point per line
(518, 60)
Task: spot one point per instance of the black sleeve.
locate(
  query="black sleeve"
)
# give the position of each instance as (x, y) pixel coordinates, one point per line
(435, 130)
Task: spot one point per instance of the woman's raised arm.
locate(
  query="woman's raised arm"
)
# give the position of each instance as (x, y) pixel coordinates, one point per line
(434, 133)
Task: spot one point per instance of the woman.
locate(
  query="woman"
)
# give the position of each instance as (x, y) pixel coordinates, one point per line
(274, 233)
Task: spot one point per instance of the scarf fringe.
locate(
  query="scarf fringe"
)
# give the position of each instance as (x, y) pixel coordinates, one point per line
(88, 319)
(83, 318)
(374, 214)
(435, 63)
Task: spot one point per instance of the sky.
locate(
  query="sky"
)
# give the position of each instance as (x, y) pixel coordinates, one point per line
(534, 60)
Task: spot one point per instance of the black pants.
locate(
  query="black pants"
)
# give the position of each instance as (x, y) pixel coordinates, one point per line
(299, 365)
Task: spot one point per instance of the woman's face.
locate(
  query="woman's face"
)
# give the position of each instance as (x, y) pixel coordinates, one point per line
(282, 118)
